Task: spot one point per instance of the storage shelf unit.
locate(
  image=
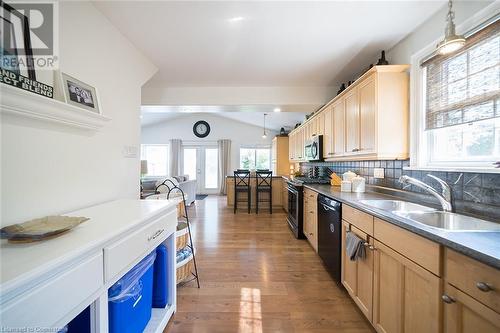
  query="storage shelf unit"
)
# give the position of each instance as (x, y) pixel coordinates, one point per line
(20, 103)
(47, 284)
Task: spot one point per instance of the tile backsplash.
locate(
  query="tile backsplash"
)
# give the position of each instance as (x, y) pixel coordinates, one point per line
(473, 193)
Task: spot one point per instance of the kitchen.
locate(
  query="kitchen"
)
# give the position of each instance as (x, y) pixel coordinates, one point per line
(263, 167)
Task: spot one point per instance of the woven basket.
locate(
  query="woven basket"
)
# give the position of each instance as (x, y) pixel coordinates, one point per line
(181, 241)
(184, 272)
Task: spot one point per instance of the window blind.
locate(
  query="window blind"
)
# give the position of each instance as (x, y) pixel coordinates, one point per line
(465, 86)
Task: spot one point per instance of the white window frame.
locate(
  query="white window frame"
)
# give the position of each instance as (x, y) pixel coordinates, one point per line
(419, 141)
(256, 147)
(168, 157)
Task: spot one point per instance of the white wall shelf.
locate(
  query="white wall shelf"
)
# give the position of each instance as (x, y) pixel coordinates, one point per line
(18, 102)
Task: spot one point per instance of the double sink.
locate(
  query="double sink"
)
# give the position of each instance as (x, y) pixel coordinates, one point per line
(433, 218)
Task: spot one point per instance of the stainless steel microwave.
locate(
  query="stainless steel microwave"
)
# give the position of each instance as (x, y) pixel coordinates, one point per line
(314, 148)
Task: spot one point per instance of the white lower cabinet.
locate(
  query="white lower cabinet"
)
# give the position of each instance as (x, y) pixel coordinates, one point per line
(78, 268)
(70, 288)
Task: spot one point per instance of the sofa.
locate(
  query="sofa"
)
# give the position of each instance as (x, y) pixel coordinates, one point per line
(188, 186)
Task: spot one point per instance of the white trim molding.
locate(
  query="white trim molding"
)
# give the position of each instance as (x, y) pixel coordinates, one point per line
(17, 102)
(418, 142)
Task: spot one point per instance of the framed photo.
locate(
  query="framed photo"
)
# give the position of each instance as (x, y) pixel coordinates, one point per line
(80, 94)
(16, 53)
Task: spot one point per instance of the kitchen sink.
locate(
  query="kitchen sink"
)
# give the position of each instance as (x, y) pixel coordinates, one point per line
(450, 221)
(396, 205)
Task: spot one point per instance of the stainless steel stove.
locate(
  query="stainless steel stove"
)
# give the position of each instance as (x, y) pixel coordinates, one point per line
(295, 202)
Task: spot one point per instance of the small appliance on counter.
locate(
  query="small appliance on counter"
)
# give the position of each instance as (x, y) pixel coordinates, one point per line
(345, 186)
(358, 184)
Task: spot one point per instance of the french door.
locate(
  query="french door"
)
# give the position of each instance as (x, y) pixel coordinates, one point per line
(202, 163)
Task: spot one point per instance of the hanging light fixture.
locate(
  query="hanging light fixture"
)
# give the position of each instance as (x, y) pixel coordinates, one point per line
(265, 134)
(451, 42)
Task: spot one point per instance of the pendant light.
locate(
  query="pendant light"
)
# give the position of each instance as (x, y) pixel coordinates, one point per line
(265, 134)
(451, 42)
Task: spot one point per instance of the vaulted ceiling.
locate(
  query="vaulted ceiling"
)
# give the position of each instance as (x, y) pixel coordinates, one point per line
(307, 44)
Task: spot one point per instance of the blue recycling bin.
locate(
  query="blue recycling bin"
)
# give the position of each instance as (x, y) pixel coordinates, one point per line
(81, 323)
(160, 285)
(130, 299)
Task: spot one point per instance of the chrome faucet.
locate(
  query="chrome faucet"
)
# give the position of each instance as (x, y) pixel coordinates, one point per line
(445, 198)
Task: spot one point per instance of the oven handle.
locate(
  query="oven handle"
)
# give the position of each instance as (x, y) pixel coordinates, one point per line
(294, 191)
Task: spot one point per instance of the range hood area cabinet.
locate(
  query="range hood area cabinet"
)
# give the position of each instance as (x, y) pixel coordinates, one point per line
(368, 120)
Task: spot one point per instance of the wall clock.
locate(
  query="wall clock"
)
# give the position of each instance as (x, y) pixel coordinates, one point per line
(201, 129)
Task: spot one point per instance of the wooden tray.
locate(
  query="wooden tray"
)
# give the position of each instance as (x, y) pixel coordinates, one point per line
(40, 229)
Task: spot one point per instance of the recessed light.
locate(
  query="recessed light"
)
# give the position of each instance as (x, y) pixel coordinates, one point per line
(277, 110)
(236, 19)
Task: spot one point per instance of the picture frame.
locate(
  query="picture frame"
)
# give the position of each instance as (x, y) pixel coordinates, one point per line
(15, 42)
(79, 94)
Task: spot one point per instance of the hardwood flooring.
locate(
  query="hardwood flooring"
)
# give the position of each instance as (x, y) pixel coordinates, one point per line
(256, 278)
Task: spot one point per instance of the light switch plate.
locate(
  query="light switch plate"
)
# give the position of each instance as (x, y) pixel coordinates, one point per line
(378, 173)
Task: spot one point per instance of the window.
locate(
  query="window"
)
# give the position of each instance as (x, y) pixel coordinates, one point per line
(157, 159)
(462, 104)
(255, 158)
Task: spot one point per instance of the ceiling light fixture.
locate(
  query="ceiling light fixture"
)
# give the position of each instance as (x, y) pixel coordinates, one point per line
(265, 134)
(277, 110)
(236, 19)
(451, 42)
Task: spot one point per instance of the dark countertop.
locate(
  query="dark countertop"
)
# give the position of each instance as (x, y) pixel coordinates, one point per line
(482, 246)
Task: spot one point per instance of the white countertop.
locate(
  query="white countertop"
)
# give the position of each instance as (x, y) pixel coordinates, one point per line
(23, 262)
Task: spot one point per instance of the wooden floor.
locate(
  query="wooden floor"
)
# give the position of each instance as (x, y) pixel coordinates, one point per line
(255, 278)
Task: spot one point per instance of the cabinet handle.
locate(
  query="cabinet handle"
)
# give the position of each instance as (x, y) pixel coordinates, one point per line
(311, 212)
(370, 247)
(310, 234)
(155, 235)
(447, 299)
(355, 150)
(485, 287)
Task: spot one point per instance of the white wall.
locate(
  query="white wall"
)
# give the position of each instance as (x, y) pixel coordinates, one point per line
(50, 170)
(432, 30)
(220, 128)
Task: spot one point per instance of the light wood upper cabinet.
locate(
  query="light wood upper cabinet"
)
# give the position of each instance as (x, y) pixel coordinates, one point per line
(367, 114)
(338, 127)
(352, 121)
(406, 297)
(357, 276)
(369, 119)
(464, 314)
(327, 132)
(280, 155)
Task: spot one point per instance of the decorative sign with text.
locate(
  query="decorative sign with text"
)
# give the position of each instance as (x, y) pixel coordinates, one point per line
(22, 82)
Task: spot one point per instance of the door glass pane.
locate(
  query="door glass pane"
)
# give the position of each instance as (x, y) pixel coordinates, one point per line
(211, 166)
(190, 162)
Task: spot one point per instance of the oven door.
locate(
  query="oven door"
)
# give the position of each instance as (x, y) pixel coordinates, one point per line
(293, 197)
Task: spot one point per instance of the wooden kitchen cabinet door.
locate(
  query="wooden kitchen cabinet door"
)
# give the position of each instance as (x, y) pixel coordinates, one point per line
(406, 297)
(338, 127)
(327, 120)
(357, 276)
(367, 114)
(352, 121)
(464, 314)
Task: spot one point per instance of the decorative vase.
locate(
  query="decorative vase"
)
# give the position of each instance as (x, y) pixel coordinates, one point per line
(382, 60)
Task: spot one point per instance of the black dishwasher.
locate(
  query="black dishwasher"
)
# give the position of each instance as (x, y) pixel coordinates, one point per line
(329, 234)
